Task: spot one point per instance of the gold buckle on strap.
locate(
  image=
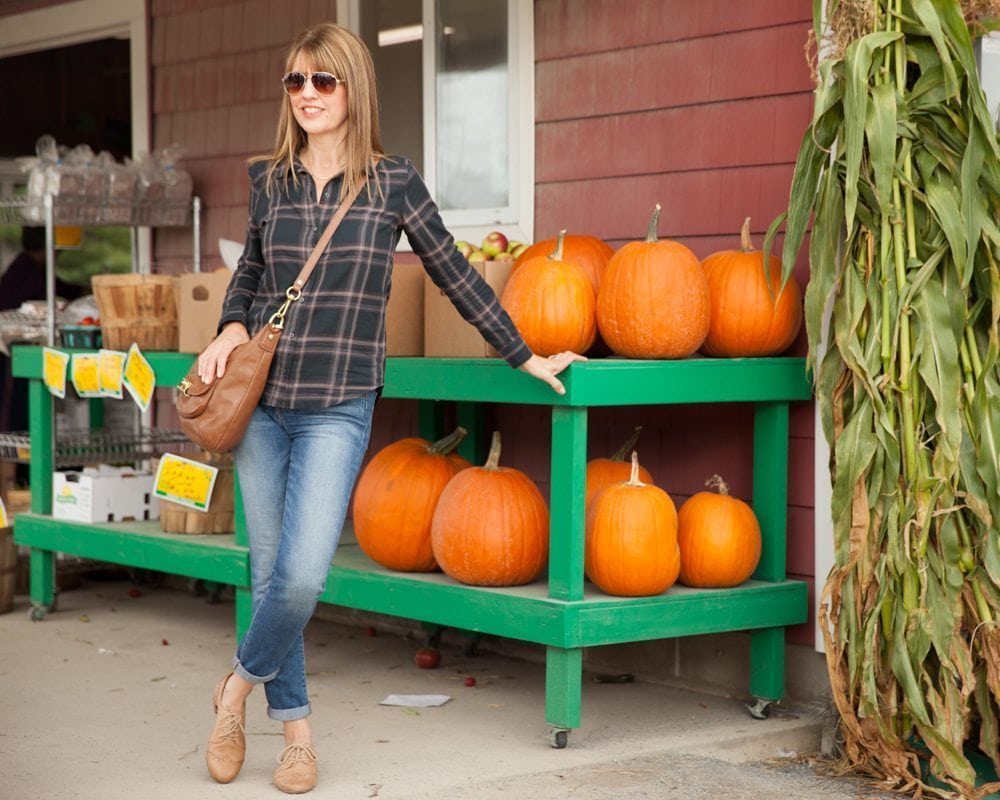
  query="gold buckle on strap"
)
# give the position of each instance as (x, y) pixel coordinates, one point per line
(184, 385)
(292, 293)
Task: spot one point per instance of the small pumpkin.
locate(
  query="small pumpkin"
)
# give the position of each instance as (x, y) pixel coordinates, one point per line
(719, 537)
(631, 538)
(552, 303)
(491, 525)
(603, 472)
(395, 499)
(747, 318)
(653, 300)
(587, 252)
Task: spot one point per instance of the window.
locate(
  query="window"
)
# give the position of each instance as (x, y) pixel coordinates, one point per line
(456, 92)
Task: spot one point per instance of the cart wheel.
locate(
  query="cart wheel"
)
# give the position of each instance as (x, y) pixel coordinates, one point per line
(558, 737)
(761, 709)
(37, 613)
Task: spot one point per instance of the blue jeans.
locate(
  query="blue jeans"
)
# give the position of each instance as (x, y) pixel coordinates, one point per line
(296, 470)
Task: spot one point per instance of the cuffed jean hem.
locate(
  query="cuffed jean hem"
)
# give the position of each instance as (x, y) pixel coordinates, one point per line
(250, 678)
(289, 714)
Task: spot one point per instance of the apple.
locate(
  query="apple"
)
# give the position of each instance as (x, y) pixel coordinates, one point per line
(495, 242)
(512, 245)
(470, 681)
(504, 257)
(477, 255)
(427, 658)
(519, 250)
(464, 248)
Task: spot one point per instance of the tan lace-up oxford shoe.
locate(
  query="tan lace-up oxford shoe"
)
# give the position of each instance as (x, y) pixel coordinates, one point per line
(296, 772)
(227, 745)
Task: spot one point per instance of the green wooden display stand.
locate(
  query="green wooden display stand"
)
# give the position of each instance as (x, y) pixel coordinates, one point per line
(563, 613)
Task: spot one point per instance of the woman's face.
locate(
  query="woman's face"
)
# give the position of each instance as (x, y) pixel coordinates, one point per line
(318, 114)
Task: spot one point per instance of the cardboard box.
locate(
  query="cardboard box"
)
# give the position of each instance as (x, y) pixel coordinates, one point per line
(446, 334)
(200, 308)
(103, 494)
(404, 313)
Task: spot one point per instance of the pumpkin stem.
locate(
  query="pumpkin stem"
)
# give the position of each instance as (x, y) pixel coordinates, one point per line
(449, 442)
(633, 479)
(716, 482)
(629, 444)
(653, 222)
(493, 460)
(746, 245)
(557, 254)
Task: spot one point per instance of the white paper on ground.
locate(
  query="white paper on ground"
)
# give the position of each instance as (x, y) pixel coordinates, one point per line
(415, 700)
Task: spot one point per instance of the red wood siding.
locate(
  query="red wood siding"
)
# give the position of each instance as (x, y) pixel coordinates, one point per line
(699, 107)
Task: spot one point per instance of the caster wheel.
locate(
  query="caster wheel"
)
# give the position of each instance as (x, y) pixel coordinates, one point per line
(37, 613)
(761, 709)
(558, 738)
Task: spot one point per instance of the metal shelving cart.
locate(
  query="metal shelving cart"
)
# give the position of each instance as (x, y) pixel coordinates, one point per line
(561, 612)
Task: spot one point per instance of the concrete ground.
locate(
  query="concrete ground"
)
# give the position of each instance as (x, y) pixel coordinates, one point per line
(110, 698)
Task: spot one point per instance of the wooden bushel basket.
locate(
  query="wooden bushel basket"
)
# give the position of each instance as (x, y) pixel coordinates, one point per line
(8, 568)
(137, 308)
(220, 516)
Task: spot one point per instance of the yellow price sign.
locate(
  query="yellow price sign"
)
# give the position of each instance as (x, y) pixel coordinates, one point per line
(54, 370)
(111, 372)
(83, 370)
(186, 482)
(139, 378)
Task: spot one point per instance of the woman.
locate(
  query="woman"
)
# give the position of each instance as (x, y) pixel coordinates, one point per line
(302, 450)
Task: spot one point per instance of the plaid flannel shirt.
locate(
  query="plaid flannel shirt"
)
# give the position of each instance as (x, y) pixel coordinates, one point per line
(333, 345)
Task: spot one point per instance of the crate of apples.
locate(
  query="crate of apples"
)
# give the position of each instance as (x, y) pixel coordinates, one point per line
(494, 247)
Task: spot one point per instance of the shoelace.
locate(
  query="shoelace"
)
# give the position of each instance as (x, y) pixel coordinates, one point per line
(231, 726)
(294, 753)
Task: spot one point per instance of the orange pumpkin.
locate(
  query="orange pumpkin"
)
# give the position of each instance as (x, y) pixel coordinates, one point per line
(653, 300)
(602, 472)
(395, 499)
(631, 545)
(587, 252)
(719, 537)
(552, 303)
(491, 525)
(746, 319)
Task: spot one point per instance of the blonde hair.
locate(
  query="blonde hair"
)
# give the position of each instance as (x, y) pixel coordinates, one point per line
(331, 48)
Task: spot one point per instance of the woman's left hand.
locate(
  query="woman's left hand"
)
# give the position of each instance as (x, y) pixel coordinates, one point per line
(546, 369)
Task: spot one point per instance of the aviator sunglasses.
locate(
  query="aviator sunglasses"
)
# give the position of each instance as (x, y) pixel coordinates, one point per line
(323, 82)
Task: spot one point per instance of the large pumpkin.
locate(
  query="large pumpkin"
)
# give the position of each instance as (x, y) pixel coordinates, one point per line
(395, 499)
(551, 301)
(631, 545)
(719, 537)
(653, 300)
(587, 252)
(746, 318)
(491, 525)
(603, 472)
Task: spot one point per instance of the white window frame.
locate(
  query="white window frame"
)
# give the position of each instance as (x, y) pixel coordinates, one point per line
(516, 220)
(86, 21)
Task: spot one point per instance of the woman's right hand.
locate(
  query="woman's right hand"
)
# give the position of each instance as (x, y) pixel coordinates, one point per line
(212, 361)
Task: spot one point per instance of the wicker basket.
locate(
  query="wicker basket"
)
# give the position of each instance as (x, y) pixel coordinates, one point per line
(137, 308)
(220, 516)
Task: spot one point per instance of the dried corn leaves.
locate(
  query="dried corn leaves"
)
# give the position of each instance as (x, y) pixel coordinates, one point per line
(899, 173)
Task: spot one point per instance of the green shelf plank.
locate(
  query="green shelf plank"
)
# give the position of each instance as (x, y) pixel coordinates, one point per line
(214, 557)
(527, 613)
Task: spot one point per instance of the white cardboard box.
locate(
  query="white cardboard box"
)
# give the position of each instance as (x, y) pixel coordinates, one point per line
(103, 494)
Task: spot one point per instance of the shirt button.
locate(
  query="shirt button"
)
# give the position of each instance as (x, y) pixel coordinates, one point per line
(315, 227)
(291, 335)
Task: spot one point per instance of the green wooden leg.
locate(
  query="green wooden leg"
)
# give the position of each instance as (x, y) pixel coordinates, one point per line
(563, 686)
(42, 574)
(244, 611)
(767, 663)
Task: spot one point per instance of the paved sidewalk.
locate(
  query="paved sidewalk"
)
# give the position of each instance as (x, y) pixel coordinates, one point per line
(109, 698)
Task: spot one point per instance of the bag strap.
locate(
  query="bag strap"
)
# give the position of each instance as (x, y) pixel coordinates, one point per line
(324, 240)
(294, 292)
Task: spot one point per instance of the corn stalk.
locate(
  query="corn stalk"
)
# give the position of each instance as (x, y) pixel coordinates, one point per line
(899, 174)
